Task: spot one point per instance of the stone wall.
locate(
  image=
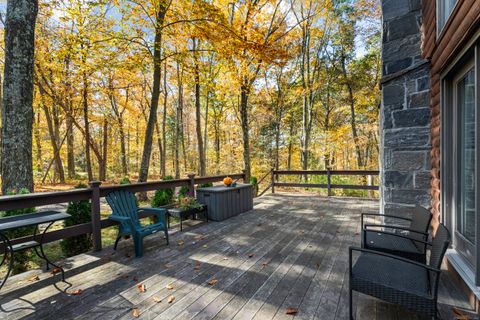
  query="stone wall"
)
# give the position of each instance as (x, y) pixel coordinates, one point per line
(405, 113)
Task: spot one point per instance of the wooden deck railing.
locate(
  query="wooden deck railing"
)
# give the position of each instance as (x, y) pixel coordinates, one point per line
(275, 176)
(94, 193)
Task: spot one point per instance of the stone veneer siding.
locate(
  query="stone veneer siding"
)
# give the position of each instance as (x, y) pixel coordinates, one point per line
(404, 113)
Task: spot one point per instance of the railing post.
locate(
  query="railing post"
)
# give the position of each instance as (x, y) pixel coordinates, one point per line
(244, 176)
(329, 182)
(191, 185)
(273, 181)
(96, 227)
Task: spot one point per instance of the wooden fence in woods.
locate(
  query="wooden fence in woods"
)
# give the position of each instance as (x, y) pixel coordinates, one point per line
(94, 193)
(276, 174)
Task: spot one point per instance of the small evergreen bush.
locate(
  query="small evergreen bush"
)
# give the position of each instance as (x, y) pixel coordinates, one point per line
(80, 212)
(163, 197)
(254, 183)
(125, 181)
(206, 185)
(21, 258)
(183, 192)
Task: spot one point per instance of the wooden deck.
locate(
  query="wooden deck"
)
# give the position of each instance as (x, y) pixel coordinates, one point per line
(289, 252)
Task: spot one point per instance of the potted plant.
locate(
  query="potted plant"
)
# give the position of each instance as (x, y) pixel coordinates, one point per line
(186, 207)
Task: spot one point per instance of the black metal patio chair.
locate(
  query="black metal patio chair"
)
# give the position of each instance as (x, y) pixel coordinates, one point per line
(399, 280)
(382, 237)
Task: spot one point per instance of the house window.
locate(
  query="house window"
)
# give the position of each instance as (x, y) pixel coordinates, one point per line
(461, 158)
(445, 8)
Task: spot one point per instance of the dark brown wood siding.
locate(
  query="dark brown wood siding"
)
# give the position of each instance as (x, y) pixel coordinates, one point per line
(463, 22)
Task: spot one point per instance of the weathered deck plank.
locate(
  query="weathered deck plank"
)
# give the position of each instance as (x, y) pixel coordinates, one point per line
(291, 251)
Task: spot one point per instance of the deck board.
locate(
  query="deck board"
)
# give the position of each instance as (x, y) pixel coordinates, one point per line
(291, 251)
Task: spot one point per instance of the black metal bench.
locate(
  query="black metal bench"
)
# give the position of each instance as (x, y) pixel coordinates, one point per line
(398, 280)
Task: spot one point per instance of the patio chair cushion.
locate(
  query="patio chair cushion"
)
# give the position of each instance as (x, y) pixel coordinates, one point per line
(393, 281)
(394, 245)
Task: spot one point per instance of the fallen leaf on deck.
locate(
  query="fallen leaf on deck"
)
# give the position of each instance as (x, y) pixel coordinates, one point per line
(264, 265)
(213, 282)
(460, 315)
(168, 265)
(56, 270)
(251, 255)
(302, 232)
(181, 243)
(136, 312)
(197, 265)
(292, 311)
(205, 246)
(169, 286)
(157, 299)
(141, 287)
(76, 292)
(34, 278)
(199, 237)
(171, 299)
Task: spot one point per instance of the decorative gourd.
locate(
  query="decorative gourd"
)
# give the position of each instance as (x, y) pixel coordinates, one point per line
(227, 181)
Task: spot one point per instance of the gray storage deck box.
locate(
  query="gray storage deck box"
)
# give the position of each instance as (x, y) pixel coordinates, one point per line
(225, 202)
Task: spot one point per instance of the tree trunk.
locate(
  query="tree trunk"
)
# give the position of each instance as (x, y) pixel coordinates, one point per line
(178, 124)
(198, 115)
(157, 72)
(70, 148)
(87, 127)
(245, 130)
(55, 144)
(353, 121)
(69, 123)
(160, 145)
(102, 163)
(38, 143)
(17, 116)
(163, 159)
(123, 150)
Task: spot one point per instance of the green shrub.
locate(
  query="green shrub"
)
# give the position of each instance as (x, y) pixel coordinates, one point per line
(254, 183)
(163, 197)
(125, 181)
(183, 192)
(80, 212)
(21, 258)
(206, 185)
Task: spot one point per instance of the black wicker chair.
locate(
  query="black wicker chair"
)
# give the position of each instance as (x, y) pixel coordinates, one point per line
(385, 237)
(399, 280)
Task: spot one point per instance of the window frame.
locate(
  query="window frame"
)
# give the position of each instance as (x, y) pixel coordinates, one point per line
(440, 7)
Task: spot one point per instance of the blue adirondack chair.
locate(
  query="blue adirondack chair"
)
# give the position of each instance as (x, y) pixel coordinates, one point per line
(125, 212)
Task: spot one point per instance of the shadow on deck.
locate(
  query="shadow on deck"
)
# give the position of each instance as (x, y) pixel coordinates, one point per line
(289, 252)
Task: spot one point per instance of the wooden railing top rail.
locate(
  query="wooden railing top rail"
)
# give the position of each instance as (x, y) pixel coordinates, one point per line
(22, 201)
(324, 172)
(94, 193)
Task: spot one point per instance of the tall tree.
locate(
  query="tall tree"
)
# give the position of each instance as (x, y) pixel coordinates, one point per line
(17, 115)
(157, 74)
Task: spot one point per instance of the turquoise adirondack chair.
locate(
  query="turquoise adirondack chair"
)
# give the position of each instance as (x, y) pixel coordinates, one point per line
(125, 212)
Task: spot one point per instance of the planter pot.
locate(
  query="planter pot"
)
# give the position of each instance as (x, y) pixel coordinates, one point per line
(184, 214)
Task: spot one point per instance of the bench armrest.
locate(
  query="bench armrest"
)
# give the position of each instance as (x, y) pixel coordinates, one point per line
(387, 255)
(366, 214)
(400, 236)
(367, 226)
